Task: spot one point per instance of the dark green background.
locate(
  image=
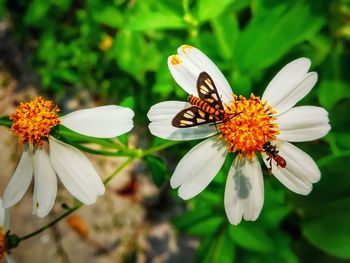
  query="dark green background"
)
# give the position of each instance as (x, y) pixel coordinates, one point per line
(249, 40)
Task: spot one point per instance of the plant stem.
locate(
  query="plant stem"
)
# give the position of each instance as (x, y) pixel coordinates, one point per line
(119, 169)
(159, 148)
(38, 231)
(5, 121)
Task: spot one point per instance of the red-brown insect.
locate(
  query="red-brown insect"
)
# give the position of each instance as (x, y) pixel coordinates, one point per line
(272, 152)
(208, 108)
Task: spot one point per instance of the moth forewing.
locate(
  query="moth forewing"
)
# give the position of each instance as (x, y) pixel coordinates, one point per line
(207, 108)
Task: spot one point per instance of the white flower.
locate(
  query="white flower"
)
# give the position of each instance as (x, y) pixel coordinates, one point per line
(4, 227)
(253, 122)
(72, 167)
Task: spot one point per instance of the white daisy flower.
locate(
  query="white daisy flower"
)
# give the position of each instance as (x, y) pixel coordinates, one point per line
(246, 126)
(4, 227)
(33, 122)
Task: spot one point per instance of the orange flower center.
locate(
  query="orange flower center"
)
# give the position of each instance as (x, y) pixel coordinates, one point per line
(2, 244)
(248, 125)
(33, 121)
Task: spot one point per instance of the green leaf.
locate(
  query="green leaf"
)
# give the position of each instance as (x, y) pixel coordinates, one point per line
(128, 51)
(37, 10)
(208, 9)
(330, 232)
(224, 250)
(155, 20)
(216, 248)
(251, 237)
(226, 31)
(109, 16)
(2, 8)
(331, 91)
(272, 32)
(158, 169)
(191, 218)
(128, 102)
(207, 226)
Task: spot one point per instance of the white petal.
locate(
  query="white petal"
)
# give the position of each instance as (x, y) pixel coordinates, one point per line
(192, 63)
(198, 167)
(20, 180)
(102, 122)
(161, 116)
(305, 123)
(290, 85)
(244, 191)
(4, 217)
(300, 172)
(10, 259)
(75, 171)
(45, 184)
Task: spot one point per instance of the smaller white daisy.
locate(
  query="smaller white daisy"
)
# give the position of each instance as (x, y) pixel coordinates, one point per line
(247, 126)
(33, 122)
(4, 227)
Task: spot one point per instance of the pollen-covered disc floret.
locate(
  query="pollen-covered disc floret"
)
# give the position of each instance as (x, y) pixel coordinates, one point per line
(34, 120)
(248, 125)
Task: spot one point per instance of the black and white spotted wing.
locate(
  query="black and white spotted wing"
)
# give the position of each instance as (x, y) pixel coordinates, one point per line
(207, 91)
(192, 116)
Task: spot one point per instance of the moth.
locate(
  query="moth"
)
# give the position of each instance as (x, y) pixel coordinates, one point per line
(208, 108)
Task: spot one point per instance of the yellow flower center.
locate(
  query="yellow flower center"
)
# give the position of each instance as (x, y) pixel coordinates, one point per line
(33, 121)
(248, 125)
(2, 243)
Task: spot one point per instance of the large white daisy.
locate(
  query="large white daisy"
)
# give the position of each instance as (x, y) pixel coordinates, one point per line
(255, 122)
(33, 122)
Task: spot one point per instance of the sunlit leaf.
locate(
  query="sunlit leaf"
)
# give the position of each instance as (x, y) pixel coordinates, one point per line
(208, 9)
(109, 16)
(153, 21)
(226, 31)
(263, 41)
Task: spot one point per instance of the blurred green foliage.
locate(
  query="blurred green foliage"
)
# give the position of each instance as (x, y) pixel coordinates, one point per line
(118, 49)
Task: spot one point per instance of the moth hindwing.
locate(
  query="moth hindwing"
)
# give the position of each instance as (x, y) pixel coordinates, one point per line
(190, 117)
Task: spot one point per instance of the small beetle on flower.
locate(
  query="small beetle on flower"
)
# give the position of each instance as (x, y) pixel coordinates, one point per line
(243, 125)
(33, 123)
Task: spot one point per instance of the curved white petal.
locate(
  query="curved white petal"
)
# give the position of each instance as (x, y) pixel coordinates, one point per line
(102, 122)
(300, 172)
(189, 64)
(305, 123)
(20, 180)
(75, 171)
(10, 259)
(45, 183)
(290, 85)
(198, 167)
(244, 191)
(161, 116)
(4, 217)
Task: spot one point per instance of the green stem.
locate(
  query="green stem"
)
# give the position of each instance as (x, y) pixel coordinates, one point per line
(101, 141)
(5, 121)
(119, 169)
(159, 148)
(67, 213)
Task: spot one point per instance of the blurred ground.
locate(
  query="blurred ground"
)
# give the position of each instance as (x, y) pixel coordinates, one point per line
(130, 223)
